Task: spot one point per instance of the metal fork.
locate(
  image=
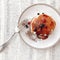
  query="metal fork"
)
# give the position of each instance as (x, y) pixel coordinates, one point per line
(17, 30)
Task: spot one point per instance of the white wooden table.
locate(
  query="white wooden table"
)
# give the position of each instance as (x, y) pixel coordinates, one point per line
(10, 11)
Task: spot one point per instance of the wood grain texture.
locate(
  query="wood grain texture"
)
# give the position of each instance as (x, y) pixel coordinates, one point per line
(10, 11)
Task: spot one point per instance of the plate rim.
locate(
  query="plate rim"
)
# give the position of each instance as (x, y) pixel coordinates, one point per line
(27, 9)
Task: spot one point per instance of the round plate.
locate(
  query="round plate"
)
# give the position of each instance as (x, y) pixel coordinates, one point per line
(31, 12)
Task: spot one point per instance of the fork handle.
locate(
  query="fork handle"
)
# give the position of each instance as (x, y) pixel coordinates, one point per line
(17, 30)
(4, 45)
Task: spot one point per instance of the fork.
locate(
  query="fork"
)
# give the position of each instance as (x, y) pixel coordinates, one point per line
(17, 30)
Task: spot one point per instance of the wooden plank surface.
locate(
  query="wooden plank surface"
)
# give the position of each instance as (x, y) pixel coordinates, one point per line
(10, 11)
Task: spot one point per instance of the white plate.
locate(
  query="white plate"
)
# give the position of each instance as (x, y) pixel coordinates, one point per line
(31, 12)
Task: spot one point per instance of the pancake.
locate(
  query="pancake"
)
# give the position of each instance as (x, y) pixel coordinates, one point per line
(43, 25)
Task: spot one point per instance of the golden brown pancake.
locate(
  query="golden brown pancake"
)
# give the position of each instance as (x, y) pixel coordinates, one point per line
(43, 25)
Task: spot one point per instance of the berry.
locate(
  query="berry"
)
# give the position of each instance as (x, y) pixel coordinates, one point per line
(42, 26)
(42, 13)
(38, 13)
(26, 26)
(29, 23)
